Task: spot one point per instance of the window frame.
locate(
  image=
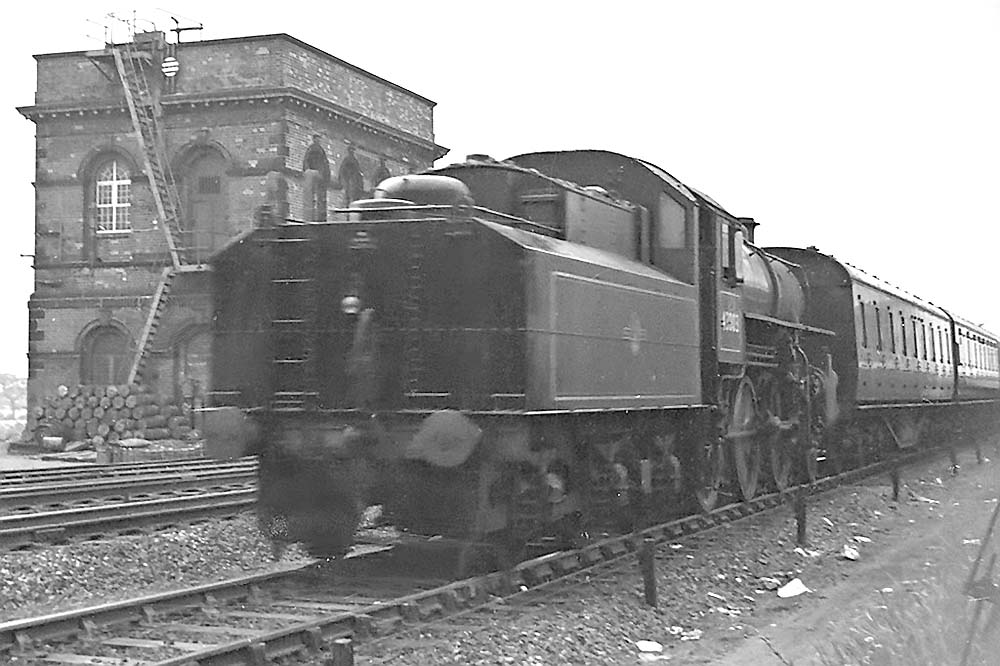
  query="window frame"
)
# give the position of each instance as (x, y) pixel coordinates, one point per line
(902, 330)
(878, 326)
(864, 323)
(112, 196)
(892, 332)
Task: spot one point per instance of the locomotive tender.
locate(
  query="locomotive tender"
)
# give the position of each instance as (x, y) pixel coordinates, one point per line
(496, 348)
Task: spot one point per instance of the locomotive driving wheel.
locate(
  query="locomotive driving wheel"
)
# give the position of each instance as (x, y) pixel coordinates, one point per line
(771, 411)
(743, 436)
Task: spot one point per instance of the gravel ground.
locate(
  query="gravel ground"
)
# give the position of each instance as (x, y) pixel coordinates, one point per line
(58, 578)
(715, 590)
(712, 587)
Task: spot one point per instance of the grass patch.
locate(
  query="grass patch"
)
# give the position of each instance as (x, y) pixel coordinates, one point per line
(927, 623)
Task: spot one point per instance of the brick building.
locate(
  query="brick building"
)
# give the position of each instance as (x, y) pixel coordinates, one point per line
(244, 125)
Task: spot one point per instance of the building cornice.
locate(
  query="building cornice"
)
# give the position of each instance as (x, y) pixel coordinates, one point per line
(177, 102)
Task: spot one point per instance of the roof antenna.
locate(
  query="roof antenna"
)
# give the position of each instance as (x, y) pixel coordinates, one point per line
(178, 29)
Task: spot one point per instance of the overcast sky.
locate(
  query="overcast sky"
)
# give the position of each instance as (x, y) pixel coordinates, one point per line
(868, 128)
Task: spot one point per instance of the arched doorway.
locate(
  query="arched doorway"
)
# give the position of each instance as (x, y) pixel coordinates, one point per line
(192, 353)
(205, 224)
(316, 181)
(105, 356)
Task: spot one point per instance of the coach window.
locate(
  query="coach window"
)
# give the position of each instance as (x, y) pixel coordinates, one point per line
(878, 327)
(902, 331)
(864, 323)
(892, 334)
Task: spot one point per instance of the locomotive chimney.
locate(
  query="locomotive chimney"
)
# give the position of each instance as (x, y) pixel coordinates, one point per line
(749, 224)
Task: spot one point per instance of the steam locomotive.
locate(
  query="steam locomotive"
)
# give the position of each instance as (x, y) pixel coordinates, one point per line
(498, 349)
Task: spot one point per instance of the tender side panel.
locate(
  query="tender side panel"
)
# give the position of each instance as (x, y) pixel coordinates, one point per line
(602, 338)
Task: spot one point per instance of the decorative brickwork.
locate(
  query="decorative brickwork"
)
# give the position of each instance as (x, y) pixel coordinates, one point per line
(248, 124)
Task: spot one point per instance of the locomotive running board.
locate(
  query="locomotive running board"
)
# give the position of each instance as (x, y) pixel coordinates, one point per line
(788, 324)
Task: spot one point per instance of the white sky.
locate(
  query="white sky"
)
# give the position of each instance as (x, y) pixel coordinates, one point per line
(869, 128)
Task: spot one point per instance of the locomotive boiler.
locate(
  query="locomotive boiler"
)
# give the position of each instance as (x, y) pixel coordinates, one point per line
(497, 350)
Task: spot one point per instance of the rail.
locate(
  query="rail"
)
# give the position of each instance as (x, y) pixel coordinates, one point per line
(88, 522)
(61, 493)
(302, 636)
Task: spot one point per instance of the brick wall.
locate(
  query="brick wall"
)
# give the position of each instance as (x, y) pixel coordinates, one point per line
(232, 99)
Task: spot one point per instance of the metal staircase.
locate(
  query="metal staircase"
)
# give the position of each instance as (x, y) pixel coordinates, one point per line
(293, 323)
(152, 323)
(145, 111)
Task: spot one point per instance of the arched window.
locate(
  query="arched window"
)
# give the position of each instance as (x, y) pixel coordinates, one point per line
(105, 356)
(113, 197)
(316, 180)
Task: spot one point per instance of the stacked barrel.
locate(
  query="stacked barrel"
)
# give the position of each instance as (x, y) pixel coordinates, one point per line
(89, 416)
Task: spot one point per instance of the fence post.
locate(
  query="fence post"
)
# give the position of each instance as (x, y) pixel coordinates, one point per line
(647, 557)
(800, 517)
(341, 653)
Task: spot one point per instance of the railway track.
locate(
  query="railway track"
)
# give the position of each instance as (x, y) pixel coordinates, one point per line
(87, 472)
(42, 506)
(255, 619)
